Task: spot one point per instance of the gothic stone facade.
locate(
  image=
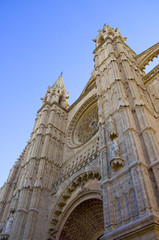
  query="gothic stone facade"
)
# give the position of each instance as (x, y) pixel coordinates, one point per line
(91, 171)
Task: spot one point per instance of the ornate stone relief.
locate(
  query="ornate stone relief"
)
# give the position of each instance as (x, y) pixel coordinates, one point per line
(124, 200)
(89, 214)
(81, 157)
(8, 226)
(116, 162)
(112, 133)
(78, 181)
(70, 172)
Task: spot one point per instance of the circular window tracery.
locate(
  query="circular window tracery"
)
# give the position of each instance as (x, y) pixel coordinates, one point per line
(84, 124)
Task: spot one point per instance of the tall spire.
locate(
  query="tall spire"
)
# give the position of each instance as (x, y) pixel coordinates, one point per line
(57, 93)
(59, 84)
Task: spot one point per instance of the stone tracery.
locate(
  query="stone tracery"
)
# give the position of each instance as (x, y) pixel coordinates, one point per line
(87, 125)
(85, 117)
(128, 137)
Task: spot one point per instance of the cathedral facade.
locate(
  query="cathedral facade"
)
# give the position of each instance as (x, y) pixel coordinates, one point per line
(90, 171)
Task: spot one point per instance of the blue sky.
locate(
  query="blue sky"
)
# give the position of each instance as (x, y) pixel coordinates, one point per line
(40, 39)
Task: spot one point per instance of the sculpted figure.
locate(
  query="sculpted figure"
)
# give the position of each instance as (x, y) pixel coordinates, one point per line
(9, 224)
(115, 149)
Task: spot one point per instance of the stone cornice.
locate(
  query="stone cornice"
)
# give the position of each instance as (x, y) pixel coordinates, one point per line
(125, 171)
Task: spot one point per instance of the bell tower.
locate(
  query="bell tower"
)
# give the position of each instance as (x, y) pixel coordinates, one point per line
(26, 194)
(129, 145)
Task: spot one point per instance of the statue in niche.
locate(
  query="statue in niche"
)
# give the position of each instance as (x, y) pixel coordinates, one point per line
(9, 223)
(113, 133)
(116, 162)
(115, 149)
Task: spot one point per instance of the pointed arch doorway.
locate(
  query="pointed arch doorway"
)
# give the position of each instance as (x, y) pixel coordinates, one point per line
(85, 222)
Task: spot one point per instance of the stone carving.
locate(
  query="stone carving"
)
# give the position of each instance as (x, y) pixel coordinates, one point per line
(115, 149)
(71, 169)
(62, 165)
(88, 126)
(86, 214)
(116, 162)
(8, 226)
(79, 181)
(113, 133)
(84, 124)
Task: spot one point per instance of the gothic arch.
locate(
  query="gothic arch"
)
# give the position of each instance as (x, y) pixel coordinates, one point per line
(84, 222)
(85, 210)
(71, 197)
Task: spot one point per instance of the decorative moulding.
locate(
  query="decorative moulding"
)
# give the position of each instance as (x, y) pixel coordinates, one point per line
(116, 163)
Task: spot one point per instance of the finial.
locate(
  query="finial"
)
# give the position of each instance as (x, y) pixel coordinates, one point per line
(67, 97)
(61, 73)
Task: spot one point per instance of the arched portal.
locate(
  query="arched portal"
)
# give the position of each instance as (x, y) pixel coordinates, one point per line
(85, 222)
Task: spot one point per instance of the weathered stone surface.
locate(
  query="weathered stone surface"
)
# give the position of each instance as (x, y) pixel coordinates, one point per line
(90, 171)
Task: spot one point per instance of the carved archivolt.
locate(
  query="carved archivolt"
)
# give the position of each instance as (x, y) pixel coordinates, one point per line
(78, 181)
(84, 124)
(86, 221)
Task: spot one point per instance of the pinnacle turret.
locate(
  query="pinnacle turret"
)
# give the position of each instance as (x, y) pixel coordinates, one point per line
(57, 93)
(59, 84)
(107, 32)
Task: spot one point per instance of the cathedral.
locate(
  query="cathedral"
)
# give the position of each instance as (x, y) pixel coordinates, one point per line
(90, 171)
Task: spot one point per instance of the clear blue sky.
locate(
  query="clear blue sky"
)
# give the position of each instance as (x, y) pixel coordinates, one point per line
(40, 39)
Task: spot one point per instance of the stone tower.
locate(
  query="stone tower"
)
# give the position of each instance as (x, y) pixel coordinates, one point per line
(90, 171)
(29, 183)
(129, 138)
